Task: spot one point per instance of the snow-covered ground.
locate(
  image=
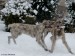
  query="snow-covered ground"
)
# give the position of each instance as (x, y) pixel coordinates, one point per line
(2, 26)
(27, 46)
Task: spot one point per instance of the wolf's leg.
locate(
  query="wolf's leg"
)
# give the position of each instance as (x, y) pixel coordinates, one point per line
(53, 39)
(14, 40)
(9, 37)
(43, 43)
(45, 34)
(66, 45)
(39, 41)
(14, 36)
(42, 40)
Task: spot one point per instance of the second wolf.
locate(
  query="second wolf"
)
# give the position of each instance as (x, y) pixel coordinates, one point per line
(57, 29)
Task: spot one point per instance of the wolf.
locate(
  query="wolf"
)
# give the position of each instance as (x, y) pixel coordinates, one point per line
(35, 31)
(57, 30)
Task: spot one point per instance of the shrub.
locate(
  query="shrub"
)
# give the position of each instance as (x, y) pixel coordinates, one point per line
(17, 12)
(17, 19)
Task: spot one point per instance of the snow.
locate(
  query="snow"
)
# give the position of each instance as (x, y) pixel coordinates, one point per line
(35, 12)
(52, 2)
(16, 7)
(27, 46)
(2, 26)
